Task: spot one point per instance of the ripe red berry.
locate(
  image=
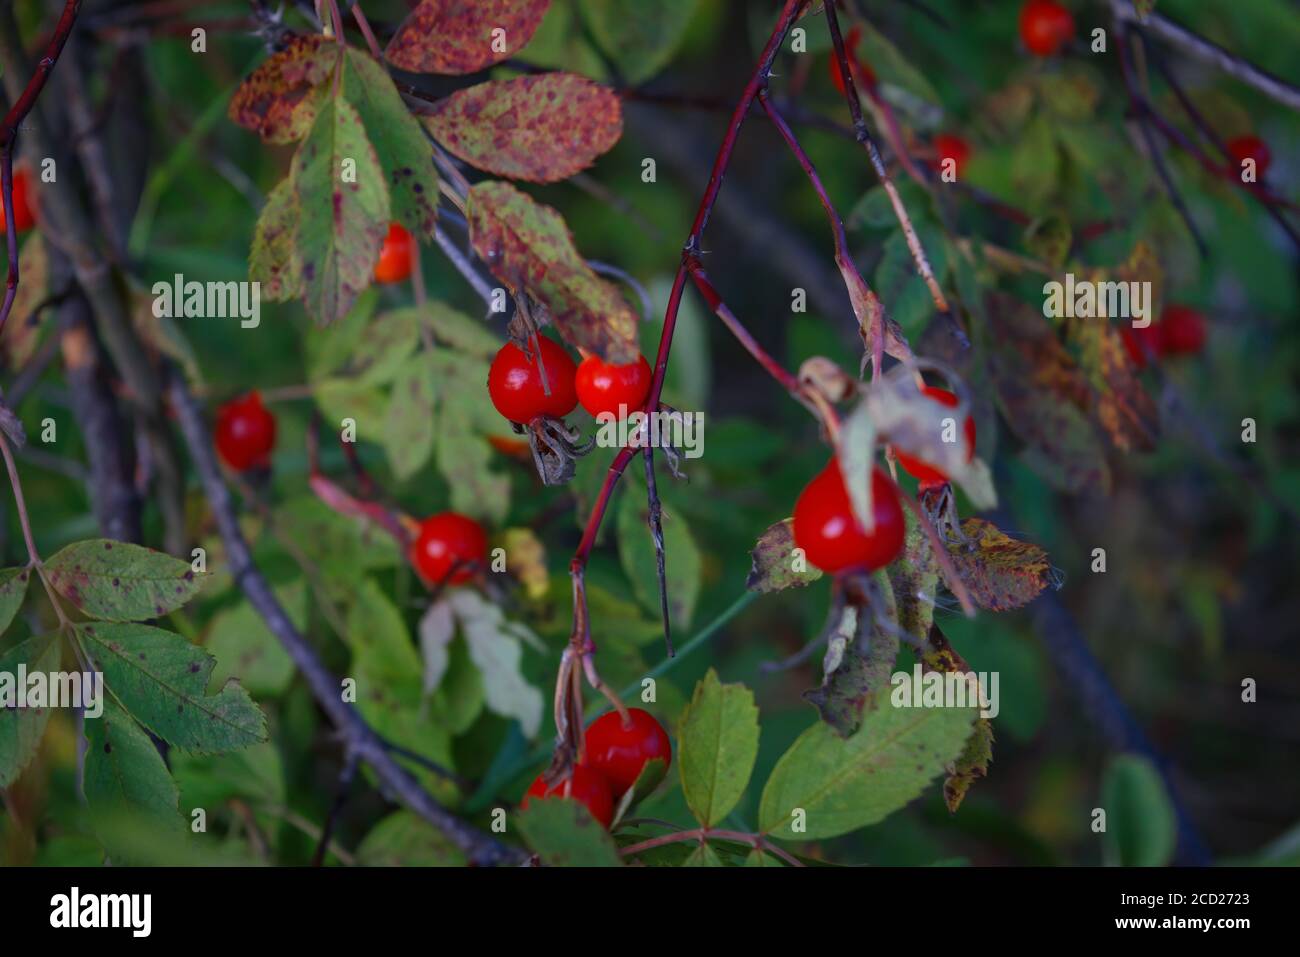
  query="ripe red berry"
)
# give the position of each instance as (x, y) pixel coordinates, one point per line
(586, 786)
(829, 533)
(395, 256)
(1244, 148)
(449, 549)
(245, 433)
(1045, 27)
(925, 474)
(620, 752)
(24, 211)
(604, 387)
(1182, 331)
(515, 382)
(863, 75)
(950, 146)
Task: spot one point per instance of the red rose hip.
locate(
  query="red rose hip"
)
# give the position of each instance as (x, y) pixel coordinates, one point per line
(621, 751)
(24, 211)
(919, 470)
(1182, 331)
(604, 387)
(1045, 27)
(829, 533)
(1240, 149)
(395, 256)
(515, 382)
(245, 433)
(449, 549)
(585, 785)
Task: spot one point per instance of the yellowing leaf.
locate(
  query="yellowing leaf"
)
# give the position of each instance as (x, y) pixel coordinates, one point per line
(276, 101)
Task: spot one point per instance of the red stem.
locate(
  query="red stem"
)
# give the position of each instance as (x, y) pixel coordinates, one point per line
(9, 131)
(789, 13)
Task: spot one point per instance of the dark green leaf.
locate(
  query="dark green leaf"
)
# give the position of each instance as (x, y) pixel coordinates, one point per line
(717, 740)
(13, 589)
(1140, 827)
(21, 729)
(117, 581)
(564, 834)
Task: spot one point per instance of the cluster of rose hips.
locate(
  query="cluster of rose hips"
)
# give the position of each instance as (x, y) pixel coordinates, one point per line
(614, 755)
(518, 391)
(1180, 331)
(827, 529)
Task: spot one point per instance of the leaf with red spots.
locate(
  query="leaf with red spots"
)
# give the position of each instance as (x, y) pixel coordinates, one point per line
(343, 198)
(463, 36)
(404, 153)
(529, 246)
(276, 101)
(1001, 572)
(162, 680)
(117, 581)
(273, 260)
(539, 128)
(21, 729)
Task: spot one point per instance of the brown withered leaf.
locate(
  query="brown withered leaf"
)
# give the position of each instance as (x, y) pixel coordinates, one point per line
(860, 657)
(528, 246)
(974, 760)
(1045, 398)
(457, 36)
(276, 100)
(1001, 572)
(773, 561)
(1125, 410)
(542, 128)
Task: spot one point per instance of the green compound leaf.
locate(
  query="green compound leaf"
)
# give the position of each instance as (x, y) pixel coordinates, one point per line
(117, 581)
(564, 834)
(21, 729)
(718, 742)
(825, 785)
(162, 680)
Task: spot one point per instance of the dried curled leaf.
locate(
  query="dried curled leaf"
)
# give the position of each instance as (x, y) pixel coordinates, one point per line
(974, 759)
(541, 128)
(775, 564)
(276, 100)
(529, 246)
(861, 651)
(463, 36)
(1001, 572)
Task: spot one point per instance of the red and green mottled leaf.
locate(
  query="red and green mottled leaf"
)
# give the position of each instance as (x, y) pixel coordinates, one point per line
(273, 260)
(343, 197)
(400, 144)
(1000, 572)
(117, 581)
(529, 246)
(276, 100)
(539, 128)
(457, 36)
(773, 561)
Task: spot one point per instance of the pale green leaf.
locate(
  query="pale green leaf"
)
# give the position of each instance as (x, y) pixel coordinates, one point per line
(21, 729)
(717, 740)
